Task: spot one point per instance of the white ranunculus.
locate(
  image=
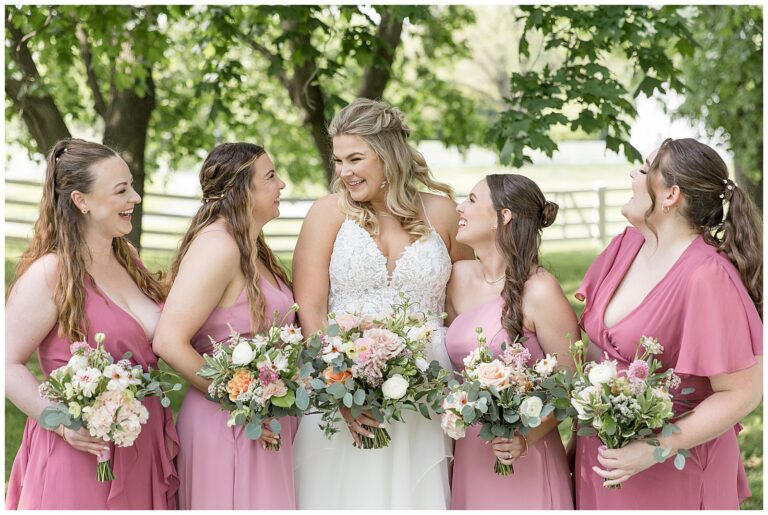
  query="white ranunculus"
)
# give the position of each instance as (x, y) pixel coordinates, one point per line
(77, 362)
(395, 387)
(602, 372)
(531, 407)
(546, 366)
(422, 364)
(243, 353)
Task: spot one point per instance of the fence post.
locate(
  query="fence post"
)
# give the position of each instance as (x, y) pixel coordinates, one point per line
(601, 222)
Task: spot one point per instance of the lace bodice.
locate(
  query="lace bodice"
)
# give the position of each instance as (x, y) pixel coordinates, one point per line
(360, 281)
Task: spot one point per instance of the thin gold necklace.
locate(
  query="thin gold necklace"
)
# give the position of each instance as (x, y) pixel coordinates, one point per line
(495, 280)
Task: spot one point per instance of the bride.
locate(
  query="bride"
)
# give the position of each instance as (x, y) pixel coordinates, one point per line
(375, 236)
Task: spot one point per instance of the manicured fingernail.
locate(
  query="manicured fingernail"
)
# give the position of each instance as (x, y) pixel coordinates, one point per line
(603, 448)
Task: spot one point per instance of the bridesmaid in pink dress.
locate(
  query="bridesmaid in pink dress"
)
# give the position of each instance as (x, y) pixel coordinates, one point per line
(80, 277)
(506, 292)
(668, 278)
(223, 276)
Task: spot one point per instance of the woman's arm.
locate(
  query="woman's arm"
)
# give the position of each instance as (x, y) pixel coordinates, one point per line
(311, 260)
(30, 314)
(550, 316)
(211, 263)
(735, 396)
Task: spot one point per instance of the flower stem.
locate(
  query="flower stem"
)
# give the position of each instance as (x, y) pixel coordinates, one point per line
(104, 472)
(502, 469)
(380, 438)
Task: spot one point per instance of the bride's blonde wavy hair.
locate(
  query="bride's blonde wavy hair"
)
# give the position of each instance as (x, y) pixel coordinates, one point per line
(383, 128)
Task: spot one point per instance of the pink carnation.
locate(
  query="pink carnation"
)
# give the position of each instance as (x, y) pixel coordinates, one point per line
(638, 369)
(80, 346)
(276, 389)
(267, 375)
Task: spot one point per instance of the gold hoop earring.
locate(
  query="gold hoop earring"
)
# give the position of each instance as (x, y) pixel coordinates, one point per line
(85, 211)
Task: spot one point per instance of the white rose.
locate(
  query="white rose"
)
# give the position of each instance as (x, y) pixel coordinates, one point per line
(243, 353)
(77, 362)
(395, 387)
(422, 364)
(531, 407)
(602, 373)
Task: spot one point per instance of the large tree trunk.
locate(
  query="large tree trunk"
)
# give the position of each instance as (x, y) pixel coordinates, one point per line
(376, 76)
(38, 110)
(126, 127)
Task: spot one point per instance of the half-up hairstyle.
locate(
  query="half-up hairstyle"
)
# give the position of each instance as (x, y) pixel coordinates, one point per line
(702, 177)
(519, 239)
(383, 128)
(225, 179)
(71, 166)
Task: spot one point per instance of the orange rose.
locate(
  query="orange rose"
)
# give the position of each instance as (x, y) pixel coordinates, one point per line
(239, 384)
(340, 377)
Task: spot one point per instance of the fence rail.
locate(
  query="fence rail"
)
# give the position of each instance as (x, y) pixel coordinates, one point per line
(585, 214)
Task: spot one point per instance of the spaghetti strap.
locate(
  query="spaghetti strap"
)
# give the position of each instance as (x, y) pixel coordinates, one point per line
(425, 211)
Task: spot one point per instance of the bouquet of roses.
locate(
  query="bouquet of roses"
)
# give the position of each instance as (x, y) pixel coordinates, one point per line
(259, 377)
(623, 406)
(376, 363)
(92, 390)
(503, 394)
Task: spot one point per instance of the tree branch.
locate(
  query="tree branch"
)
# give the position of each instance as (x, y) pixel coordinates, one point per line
(376, 76)
(38, 110)
(264, 51)
(85, 50)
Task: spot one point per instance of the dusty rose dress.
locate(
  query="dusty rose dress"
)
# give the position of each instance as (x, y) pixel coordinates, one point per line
(704, 318)
(219, 467)
(48, 474)
(541, 480)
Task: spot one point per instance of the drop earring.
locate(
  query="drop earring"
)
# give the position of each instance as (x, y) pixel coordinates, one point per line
(383, 184)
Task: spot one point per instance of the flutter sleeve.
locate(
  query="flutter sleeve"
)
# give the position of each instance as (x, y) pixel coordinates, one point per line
(721, 330)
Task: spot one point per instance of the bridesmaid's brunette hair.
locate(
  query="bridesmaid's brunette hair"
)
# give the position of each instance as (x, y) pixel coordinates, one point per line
(72, 165)
(225, 179)
(383, 128)
(702, 177)
(519, 239)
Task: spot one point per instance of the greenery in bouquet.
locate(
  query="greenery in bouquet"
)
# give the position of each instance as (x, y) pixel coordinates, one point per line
(503, 394)
(259, 378)
(94, 391)
(621, 406)
(377, 364)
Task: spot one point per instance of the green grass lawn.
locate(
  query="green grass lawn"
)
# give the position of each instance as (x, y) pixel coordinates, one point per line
(567, 264)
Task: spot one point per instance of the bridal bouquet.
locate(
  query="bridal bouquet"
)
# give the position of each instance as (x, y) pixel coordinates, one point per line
(503, 394)
(92, 390)
(623, 406)
(376, 363)
(258, 378)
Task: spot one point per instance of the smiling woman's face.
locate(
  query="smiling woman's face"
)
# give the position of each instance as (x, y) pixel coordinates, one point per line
(360, 169)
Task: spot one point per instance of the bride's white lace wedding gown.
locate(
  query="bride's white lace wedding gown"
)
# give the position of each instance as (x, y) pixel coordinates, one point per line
(412, 471)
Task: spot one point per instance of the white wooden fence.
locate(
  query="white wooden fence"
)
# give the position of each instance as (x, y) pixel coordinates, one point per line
(586, 215)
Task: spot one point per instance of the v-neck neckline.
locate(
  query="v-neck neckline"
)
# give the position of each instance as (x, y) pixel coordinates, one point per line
(390, 275)
(125, 311)
(622, 276)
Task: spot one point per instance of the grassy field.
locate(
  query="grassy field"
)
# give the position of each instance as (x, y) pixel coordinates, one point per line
(568, 265)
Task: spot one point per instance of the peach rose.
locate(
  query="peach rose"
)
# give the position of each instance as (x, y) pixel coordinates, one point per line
(493, 373)
(347, 322)
(340, 377)
(239, 384)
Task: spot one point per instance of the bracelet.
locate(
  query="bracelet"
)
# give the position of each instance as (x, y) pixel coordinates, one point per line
(525, 452)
